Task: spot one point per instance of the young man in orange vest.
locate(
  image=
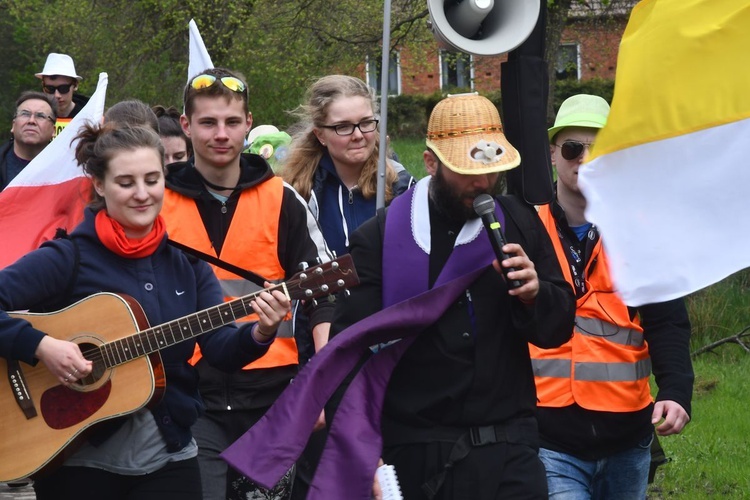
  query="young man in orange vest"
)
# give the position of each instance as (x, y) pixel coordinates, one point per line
(231, 206)
(596, 414)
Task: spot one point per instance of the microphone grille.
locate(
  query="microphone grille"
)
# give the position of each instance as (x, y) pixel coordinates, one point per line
(484, 204)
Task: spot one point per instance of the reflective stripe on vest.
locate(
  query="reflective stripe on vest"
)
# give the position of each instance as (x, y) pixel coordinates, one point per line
(617, 334)
(592, 372)
(605, 366)
(250, 244)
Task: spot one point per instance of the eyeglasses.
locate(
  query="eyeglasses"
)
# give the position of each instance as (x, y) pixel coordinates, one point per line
(201, 82)
(63, 89)
(26, 116)
(364, 126)
(572, 150)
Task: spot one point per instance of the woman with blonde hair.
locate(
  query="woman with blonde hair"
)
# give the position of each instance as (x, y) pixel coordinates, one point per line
(333, 158)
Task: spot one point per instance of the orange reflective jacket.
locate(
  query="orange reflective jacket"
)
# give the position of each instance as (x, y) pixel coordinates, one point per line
(248, 245)
(605, 366)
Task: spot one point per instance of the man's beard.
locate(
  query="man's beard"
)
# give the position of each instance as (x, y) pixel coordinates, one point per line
(447, 201)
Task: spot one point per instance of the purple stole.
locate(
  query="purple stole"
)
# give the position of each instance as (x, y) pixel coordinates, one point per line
(354, 445)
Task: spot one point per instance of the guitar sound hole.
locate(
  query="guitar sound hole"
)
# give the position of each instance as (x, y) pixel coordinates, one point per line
(99, 373)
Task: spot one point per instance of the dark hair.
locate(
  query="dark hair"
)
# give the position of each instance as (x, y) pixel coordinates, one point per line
(169, 124)
(215, 90)
(99, 143)
(132, 113)
(40, 96)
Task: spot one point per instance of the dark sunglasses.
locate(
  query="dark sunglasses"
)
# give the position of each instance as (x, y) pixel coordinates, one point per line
(204, 81)
(572, 150)
(63, 89)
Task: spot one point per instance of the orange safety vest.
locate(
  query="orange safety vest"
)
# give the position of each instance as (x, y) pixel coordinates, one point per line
(605, 366)
(251, 243)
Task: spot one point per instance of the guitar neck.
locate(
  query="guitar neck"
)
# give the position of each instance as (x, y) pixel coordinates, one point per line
(318, 281)
(162, 336)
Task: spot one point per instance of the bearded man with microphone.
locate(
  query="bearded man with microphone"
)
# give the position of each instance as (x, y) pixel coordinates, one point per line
(458, 416)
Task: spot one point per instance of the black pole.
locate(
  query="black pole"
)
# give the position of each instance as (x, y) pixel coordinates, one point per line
(525, 90)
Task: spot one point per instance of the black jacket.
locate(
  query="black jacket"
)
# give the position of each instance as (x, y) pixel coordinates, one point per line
(451, 377)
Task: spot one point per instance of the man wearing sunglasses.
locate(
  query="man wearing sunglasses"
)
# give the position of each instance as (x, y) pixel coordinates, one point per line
(59, 80)
(32, 129)
(595, 409)
(231, 206)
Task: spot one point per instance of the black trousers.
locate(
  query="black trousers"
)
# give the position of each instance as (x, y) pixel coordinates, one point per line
(175, 481)
(489, 472)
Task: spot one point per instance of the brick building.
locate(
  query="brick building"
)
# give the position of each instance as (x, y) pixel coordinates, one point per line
(588, 49)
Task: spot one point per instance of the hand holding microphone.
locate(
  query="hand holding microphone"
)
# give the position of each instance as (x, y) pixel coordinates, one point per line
(484, 206)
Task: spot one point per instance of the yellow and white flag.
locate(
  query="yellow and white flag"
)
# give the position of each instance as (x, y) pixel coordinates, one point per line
(668, 182)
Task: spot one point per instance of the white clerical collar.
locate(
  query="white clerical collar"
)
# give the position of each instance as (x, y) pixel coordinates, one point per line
(420, 219)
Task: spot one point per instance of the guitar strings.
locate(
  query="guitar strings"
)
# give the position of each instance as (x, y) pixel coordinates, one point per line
(95, 354)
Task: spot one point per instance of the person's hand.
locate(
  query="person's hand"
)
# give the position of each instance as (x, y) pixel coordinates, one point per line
(524, 272)
(63, 359)
(321, 422)
(377, 491)
(672, 415)
(271, 308)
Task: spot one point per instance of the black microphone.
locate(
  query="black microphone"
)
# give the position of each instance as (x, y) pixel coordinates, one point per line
(484, 206)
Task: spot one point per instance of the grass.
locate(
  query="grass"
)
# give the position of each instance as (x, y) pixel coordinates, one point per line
(710, 458)
(409, 152)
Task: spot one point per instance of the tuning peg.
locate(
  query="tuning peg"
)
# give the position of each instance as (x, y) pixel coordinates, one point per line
(314, 302)
(302, 266)
(347, 292)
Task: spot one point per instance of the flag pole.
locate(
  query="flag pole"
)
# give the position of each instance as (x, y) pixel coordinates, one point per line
(384, 77)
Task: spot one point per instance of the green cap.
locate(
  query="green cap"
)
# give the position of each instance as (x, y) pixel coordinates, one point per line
(582, 110)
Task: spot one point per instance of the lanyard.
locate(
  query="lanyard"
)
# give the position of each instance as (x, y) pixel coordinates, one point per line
(578, 252)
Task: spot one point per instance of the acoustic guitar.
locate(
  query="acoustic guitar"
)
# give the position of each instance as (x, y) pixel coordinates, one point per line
(43, 420)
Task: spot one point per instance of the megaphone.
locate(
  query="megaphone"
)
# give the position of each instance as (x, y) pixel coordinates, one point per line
(482, 27)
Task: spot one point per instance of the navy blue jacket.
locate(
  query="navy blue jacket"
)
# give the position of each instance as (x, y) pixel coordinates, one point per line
(168, 285)
(324, 204)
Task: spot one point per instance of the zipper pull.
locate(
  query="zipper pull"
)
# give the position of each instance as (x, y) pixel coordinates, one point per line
(351, 198)
(223, 207)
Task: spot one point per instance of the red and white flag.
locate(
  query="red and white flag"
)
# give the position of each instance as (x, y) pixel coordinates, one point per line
(51, 192)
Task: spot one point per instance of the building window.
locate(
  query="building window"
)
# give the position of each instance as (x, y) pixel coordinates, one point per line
(568, 63)
(374, 65)
(456, 71)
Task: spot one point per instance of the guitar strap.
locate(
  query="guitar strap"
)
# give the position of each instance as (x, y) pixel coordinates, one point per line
(247, 274)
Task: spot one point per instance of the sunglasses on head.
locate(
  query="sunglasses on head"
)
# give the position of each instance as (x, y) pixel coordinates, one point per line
(63, 89)
(204, 81)
(572, 150)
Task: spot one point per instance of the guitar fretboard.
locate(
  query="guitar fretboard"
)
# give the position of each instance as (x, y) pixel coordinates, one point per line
(159, 337)
(309, 284)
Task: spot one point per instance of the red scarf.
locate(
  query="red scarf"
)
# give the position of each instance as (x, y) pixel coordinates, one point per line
(112, 235)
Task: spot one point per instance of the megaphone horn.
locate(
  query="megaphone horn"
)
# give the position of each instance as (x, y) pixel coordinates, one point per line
(482, 27)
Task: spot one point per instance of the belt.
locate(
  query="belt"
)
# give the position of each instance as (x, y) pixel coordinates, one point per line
(519, 431)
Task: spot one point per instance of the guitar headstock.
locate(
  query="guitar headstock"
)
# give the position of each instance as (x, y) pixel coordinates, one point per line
(324, 279)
